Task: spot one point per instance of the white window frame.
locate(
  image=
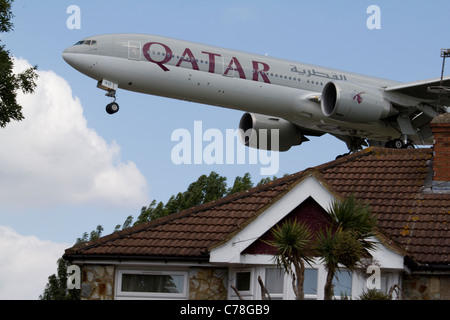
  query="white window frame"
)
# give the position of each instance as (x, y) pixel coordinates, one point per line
(249, 294)
(151, 295)
(313, 296)
(255, 289)
(276, 296)
(336, 295)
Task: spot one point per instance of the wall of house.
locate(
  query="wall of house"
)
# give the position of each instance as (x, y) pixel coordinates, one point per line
(97, 282)
(208, 284)
(212, 284)
(426, 287)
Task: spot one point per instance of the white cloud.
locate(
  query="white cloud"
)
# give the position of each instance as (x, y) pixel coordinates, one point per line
(52, 157)
(26, 262)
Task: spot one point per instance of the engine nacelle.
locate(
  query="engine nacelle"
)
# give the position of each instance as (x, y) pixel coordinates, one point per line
(256, 132)
(353, 102)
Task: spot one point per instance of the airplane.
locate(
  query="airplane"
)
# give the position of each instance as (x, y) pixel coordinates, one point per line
(298, 99)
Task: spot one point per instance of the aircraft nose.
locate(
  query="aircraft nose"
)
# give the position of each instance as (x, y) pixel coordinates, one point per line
(68, 55)
(84, 62)
(74, 58)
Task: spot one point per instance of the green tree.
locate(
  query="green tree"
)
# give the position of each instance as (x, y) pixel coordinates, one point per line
(241, 184)
(127, 224)
(205, 189)
(95, 234)
(373, 294)
(10, 83)
(346, 240)
(293, 243)
(56, 288)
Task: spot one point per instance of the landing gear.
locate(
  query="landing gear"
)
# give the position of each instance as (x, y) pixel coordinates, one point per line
(111, 88)
(113, 107)
(400, 144)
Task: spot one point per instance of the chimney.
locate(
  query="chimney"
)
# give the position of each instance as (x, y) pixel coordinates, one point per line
(440, 126)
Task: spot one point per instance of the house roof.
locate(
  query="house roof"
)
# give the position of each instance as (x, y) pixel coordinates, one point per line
(392, 181)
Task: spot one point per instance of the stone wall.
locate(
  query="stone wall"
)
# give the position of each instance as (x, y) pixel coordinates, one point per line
(208, 284)
(97, 282)
(426, 287)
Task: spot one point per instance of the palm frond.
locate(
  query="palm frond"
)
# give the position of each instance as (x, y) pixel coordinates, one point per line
(293, 243)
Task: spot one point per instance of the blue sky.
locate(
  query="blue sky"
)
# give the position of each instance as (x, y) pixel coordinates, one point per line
(70, 166)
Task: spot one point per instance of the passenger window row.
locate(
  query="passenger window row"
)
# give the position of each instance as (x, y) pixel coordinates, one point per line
(173, 56)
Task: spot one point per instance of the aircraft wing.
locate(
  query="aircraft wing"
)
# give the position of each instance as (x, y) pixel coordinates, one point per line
(419, 89)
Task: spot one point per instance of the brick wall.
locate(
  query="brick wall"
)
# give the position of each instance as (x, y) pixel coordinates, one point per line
(441, 160)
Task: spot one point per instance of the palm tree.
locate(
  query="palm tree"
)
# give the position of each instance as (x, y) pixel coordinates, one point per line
(293, 243)
(345, 241)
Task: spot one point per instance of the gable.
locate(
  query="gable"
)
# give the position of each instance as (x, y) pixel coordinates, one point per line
(308, 212)
(310, 187)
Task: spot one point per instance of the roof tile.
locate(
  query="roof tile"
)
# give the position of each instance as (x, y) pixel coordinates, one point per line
(391, 181)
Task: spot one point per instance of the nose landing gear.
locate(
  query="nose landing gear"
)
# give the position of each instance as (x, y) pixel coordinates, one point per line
(111, 88)
(112, 107)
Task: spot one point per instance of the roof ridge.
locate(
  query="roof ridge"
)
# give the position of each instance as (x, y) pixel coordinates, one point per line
(367, 152)
(287, 180)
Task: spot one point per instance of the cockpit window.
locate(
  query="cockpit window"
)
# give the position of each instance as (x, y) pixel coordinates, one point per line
(86, 43)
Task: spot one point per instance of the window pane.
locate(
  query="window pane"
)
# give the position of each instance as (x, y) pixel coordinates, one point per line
(310, 283)
(342, 283)
(243, 281)
(152, 283)
(274, 280)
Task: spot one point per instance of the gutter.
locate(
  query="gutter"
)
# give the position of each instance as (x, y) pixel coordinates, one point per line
(418, 268)
(120, 258)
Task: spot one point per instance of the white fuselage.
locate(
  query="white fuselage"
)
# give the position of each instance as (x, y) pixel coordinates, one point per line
(227, 78)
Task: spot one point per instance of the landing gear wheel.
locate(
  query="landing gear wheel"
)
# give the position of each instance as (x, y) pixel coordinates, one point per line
(112, 108)
(397, 144)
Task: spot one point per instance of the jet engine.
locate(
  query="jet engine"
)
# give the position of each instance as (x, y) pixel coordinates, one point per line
(269, 133)
(353, 102)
